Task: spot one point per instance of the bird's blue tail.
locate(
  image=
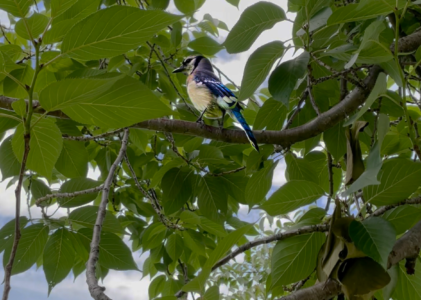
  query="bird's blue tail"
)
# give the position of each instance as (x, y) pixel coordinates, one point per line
(236, 112)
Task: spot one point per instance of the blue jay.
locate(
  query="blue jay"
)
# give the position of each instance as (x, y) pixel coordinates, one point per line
(210, 96)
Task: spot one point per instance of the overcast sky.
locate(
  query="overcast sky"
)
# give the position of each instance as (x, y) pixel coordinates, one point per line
(128, 285)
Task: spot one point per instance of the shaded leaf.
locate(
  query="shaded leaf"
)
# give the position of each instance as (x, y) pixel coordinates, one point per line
(86, 216)
(253, 21)
(205, 45)
(74, 185)
(9, 165)
(30, 28)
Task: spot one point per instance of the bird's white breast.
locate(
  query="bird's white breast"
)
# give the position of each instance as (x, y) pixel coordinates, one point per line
(200, 95)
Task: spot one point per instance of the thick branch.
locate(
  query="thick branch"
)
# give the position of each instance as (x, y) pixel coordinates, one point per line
(408, 246)
(97, 292)
(321, 291)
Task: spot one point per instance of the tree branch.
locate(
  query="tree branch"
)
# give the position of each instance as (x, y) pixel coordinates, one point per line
(269, 239)
(321, 291)
(97, 292)
(93, 137)
(39, 201)
(383, 209)
(9, 266)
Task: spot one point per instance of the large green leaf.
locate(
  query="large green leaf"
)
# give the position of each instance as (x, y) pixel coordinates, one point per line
(374, 160)
(113, 252)
(86, 216)
(367, 9)
(271, 116)
(68, 92)
(9, 165)
(335, 141)
(375, 237)
(284, 78)
(259, 184)
(73, 159)
(258, 66)
(74, 185)
(301, 169)
(212, 293)
(60, 6)
(212, 198)
(31, 245)
(7, 65)
(18, 8)
(408, 286)
(45, 146)
(8, 230)
(39, 188)
(292, 195)
(113, 31)
(127, 102)
(253, 21)
(399, 178)
(294, 259)
(174, 246)
(31, 28)
(205, 45)
(58, 257)
(403, 217)
(177, 189)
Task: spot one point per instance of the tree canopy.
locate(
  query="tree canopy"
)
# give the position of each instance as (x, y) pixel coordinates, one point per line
(88, 85)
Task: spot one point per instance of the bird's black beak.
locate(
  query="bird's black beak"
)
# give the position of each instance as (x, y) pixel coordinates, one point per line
(179, 70)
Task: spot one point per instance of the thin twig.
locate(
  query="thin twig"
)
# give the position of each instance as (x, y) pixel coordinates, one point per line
(97, 292)
(39, 201)
(152, 199)
(384, 209)
(4, 34)
(297, 110)
(170, 79)
(93, 137)
(330, 171)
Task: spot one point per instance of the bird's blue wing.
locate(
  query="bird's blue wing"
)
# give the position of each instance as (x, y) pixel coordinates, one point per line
(225, 97)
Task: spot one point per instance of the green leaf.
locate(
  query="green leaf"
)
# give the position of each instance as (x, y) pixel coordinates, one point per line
(160, 4)
(292, 195)
(7, 232)
(335, 141)
(86, 216)
(374, 160)
(198, 283)
(73, 159)
(379, 88)
(177, 189)
(114, 253)
(32, 27)
(39, 188)
(19, 107)
(9, 165)
(403, 217)
(45, 146)
(57, 32)
(156, 286)
(58, 258)
(258, 66)
(253, 21)
(68, 92)
(375, 237)
(113, 31)
(174, 246)
(408, 286)
(294, 259)
(259, 184)
(18, 8)
(187, 7)
(31, 245)
(126, 102)
(212, 293)
(283, 79)
(153, 236)
(399, 178)
(212, 199)
(367, 9)
(234, 2)
(205, 45)
(74, 185)
(300, 169)
(60, 6)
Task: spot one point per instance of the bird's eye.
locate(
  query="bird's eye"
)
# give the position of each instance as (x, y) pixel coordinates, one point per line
(188, 60)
